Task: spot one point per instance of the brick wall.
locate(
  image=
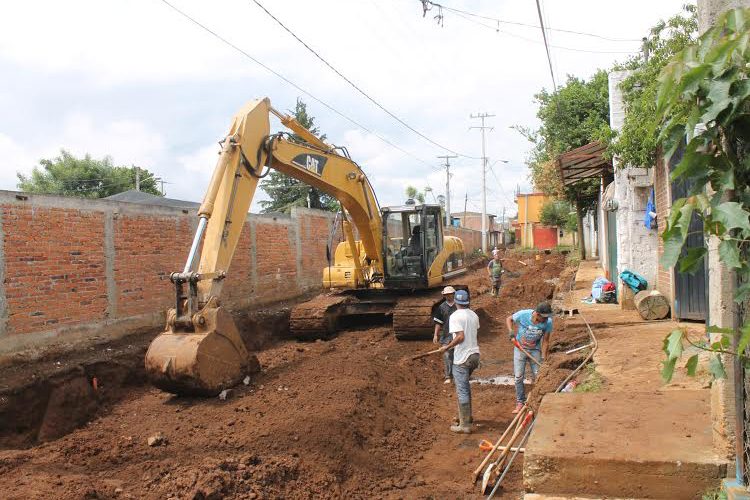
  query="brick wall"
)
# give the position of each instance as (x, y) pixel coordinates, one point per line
(73, 268)
(663, 201)
(472, 239)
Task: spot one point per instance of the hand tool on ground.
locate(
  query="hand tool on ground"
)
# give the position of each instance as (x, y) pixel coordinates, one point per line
(532, 358)
(522, 262)
(510, 462)
(425, 354)
(494, 466)
(485, 445)
(475, 474)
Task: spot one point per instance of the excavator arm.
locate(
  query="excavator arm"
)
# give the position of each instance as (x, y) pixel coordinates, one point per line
(201, 351)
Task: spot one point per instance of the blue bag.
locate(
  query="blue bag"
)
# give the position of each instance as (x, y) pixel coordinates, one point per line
(635, 281)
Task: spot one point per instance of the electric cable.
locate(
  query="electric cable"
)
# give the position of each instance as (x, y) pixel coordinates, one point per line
(546, 45)
(291, 83)
(357, 88)
(526, 25)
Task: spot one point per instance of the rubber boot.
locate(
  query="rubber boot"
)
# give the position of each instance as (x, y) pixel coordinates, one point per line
(470, 419)
(463, 426)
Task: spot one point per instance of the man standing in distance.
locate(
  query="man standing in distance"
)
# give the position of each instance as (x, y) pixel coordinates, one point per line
(532, 330)
(495, 272)
(441, 335)
(463, 325)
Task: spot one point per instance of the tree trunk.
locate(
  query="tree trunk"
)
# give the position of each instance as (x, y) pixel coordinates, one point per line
(581, 244)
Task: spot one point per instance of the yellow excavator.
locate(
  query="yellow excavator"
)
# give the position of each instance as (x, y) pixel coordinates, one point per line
(392, 270)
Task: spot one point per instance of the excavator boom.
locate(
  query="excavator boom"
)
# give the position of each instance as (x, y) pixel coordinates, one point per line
(201, 351)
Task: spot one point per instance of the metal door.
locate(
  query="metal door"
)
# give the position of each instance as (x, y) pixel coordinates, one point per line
(690, 289)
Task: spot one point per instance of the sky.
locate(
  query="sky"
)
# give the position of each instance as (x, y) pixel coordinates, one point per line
(138, 82)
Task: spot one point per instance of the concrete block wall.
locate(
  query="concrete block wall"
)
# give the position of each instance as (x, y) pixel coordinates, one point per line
(73, 268)
(636, 244)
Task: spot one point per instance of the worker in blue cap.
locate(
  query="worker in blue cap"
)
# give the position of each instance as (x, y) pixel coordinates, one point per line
(463, 326)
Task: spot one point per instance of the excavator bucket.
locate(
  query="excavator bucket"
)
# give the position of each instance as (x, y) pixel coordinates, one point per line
(202, 362)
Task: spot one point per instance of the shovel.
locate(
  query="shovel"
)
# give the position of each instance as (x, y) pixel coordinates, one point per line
(532, 358)
(475, 474)
(425, 354)
(501, 459)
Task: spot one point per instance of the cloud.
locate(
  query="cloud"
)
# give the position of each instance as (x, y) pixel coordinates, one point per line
(128, 142)
(137, 81)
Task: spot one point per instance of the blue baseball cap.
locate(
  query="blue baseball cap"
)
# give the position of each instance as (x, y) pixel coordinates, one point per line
(462, 297)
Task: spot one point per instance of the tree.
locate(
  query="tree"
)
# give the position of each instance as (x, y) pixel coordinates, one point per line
(414, 194)
(636, 143)
(578, 113)
(558, 213)
(84, 177)
(286, 192)
(703, 108)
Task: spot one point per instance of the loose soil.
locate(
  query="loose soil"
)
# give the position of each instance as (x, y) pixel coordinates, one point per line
(350, 417)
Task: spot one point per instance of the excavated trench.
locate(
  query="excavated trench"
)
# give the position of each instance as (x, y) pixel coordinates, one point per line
(350, 417)
(51, 397)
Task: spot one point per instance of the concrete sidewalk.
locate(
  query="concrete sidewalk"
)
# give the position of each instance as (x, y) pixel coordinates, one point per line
(635, 436)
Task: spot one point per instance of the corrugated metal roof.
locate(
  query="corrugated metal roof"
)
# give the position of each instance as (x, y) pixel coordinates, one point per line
(583, 163)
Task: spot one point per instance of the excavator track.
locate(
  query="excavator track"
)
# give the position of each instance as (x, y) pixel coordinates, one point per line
(412, 315)
(318, 318)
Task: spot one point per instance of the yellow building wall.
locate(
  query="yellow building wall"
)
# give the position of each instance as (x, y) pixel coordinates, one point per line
(535, 202)
(527, 219)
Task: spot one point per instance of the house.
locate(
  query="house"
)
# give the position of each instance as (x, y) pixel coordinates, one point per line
(530, 232)
(133, 196)
(473, 220)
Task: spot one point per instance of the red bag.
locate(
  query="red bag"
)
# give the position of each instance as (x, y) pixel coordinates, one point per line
(608, 287)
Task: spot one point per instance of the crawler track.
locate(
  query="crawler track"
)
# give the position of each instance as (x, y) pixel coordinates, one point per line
(318, 318)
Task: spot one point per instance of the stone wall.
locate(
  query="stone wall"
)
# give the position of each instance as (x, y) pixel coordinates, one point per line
(636, 244)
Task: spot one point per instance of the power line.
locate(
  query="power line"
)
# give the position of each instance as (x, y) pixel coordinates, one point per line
(356, 87)
(521, 37)
(517, 23)
(546, 45)
(288, 81)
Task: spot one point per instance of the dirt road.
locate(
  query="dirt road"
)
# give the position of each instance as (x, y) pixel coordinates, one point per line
(348, 418)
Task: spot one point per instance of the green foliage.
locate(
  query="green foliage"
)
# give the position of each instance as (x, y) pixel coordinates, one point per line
(636, 143)
(84, 177)
(593, 382)
(286, 192)
(578, 113)
(714, 494)
(703, 103)
(414, 194)
(558, 213)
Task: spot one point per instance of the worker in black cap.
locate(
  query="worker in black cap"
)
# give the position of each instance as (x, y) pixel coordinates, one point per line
(531, 328)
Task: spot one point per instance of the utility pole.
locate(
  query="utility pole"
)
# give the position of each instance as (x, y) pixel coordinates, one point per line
(447, 159)
(466, 201)
(483, 116)
(137, 178)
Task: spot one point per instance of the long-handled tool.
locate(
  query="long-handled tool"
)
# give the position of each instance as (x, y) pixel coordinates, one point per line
(425, 354)
(511, 425)
(501, 458)
(532, 358)
(510, 462)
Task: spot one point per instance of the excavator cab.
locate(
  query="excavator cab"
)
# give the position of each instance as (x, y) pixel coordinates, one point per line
(413, 238)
